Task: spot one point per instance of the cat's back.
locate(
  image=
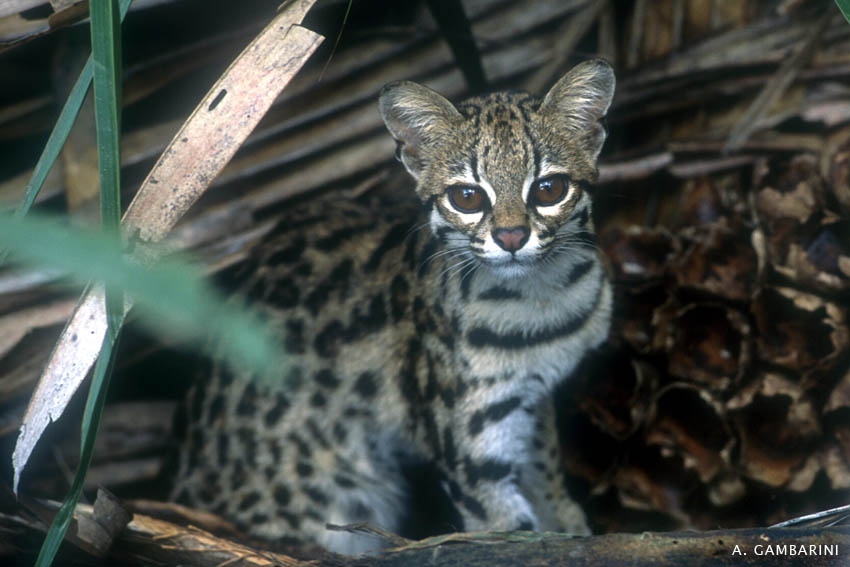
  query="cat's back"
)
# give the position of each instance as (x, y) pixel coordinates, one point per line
(328, 250)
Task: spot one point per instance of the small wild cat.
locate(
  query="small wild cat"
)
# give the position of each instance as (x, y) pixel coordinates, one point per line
(433, 329)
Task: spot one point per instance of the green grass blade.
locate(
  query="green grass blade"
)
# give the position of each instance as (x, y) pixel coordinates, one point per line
(106, 54)
(91, 421)
(60, 132)
(172, 298)
(106, 65)
(844, 6)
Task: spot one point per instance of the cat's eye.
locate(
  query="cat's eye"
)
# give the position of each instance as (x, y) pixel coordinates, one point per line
(467, 199)
(550, 190)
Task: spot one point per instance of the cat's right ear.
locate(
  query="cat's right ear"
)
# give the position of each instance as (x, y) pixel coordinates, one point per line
(417, 118)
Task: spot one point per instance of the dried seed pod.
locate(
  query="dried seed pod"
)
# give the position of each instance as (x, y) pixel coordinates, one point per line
(796, 192)
(726, 489)
(652, 486)
(771, 466)
(822, 262)
(718, 260)
(840, 398)
(635, 312)
(837, 467)
(687, 423)
(839, 173)
(804, 477)
(841, 433)
(797, 330)
(779, 426)
(708, 343)
(638, 255)
(805, 241)
(618, 407)
(701, 203)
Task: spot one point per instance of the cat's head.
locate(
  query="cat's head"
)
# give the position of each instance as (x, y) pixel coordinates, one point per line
(506, 175)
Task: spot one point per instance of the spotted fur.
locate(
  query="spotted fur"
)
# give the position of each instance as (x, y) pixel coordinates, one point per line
(421, 331)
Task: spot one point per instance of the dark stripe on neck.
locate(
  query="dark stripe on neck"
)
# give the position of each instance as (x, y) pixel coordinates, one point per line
(482, 337)
(578, 271)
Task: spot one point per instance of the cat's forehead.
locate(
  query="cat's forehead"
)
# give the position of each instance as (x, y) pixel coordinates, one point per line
(501, 116)
(500, 133)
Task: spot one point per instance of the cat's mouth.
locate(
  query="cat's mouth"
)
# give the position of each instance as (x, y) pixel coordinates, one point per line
(512, 266)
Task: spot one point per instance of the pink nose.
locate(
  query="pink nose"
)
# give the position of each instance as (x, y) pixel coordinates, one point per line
(511, 239)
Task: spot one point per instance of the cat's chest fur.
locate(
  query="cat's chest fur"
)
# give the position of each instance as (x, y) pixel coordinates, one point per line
(432, 328)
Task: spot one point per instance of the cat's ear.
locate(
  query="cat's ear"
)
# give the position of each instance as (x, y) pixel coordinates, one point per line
(579, 100)
(417, 118)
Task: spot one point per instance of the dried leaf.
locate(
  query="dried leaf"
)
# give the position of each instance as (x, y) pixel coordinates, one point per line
(778, 428)
(837, 467)
(718, 260)
(840, 397)
(688, 424)
(797, 330)
(638, 254)
(709, 344)
(726, 489)
(634, 318)
(795, 193)
(618, 407)
(16, 325)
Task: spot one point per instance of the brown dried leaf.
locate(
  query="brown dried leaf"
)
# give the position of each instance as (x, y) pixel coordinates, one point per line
(709, 344)
(819, 261)
(638, 254)
(840, 397)
(635, 316)
(639, 489)
(687, 423)
(803, 478)
(798, 330)
(726, 489)
(778, 428)
(772, 467)
(839, 171)
(618, 407)
(795, 193)
(701, 203)
(16, 325)
(836, 463)
(718, 260)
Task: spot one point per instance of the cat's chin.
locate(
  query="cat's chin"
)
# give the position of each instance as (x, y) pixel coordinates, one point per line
(512, 269)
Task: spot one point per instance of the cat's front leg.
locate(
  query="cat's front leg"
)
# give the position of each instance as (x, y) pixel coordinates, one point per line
(489, 497)
(505, 473)
(485, 467)
(543, 478)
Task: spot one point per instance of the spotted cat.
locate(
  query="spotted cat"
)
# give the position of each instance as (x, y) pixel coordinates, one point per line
(421, 330)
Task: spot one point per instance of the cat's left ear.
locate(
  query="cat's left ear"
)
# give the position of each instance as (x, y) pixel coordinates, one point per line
(418, 118)
(580, 99)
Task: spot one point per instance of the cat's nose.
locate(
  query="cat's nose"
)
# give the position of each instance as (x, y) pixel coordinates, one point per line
(511, 239)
